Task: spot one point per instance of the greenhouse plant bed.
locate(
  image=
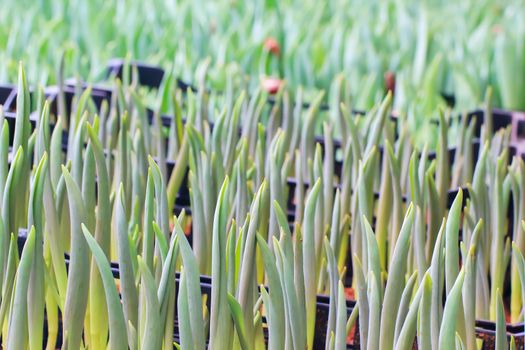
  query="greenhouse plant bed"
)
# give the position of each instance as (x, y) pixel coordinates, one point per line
(292, 182)
(183, 197)
(166, 120)
(388, 239)
(322, 304)
(486, 330)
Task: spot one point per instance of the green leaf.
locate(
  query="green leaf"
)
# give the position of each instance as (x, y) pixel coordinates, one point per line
(42, 141)
(436, 273)
(497, 247)
(162, 216)
(282, 219)
(352, 319)
(341, 319)
(127, 275)
(487, 116)
(520, 263)
(98, 320)
(55, 153)
(4, 155)
(296, 311)
(415, 189)
(186, 338)
(424, 335)
(419, 239)
(166, 290)
(397, 214)
(51, 299)
(443, 164)
(501, 326)
(238, 318)
(193, 291)
(22, 124)
(362, 301)
(375, 312)
(10, 274)
(275, 307)
(18, 323)
(118, 338)
(36, 291)
(469, 287)
(309, 261)
(308, 130)
(459, 342)
(451, 242)
(75, 150)
(409, 328)
(148, 240)
(11, 203)
(177, 175)
(161, 241)
(404, 305)
(152, 333)
(53, 237)
(201, 238)
(102, 231)
(247, 271)
(512, 343)
(220, 319)
(395, 282)
(232, 133)
(78, 274)
(328, 173)
(434, 209)
(378, 123)
(333, 289)
(447, 332)
(373, 256)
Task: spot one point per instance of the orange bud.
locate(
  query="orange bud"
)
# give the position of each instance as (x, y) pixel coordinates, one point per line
(271, 45)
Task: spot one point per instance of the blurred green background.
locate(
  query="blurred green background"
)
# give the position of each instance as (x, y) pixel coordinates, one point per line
(432, 47)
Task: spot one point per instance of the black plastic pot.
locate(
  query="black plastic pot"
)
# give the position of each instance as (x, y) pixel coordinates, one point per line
(10, 117)
(148, 75)
(500, 119)
(98, 95)
(7, 96)
(486, 331)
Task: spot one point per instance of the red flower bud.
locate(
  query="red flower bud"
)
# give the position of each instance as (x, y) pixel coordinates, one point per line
(271, 45)
(271, 84)
(390, 81)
